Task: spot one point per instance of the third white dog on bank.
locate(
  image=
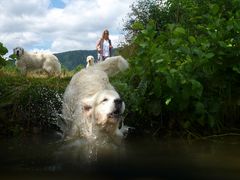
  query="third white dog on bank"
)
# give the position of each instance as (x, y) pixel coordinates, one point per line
(28, 61)
(92, 108)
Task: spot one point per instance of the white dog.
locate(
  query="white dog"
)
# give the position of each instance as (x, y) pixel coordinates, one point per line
(37, 61)
(91, 106)
(90, 61)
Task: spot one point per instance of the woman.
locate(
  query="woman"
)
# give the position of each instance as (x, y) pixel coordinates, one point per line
(104, 46)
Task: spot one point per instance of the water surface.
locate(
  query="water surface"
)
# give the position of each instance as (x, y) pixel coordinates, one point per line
(211, 158)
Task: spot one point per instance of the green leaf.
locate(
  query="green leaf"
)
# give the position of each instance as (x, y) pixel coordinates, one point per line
(171, 27)
(143, 44)
(159, 61)
(197, 87)
(214, 9)
(3, 50)
(137, 26)
(168, 101)
(209, 55)
(222, 44)
(179, 31)
(192, 39)
(145, 32)
(230, 27)
(2, 62)
(13, 56)
(236, 68)
(198, 52)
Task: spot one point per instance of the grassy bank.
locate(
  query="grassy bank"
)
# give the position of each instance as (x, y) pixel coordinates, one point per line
(29, 104)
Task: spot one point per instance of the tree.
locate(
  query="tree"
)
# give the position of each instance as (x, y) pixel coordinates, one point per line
(3, 51)
(142, 12)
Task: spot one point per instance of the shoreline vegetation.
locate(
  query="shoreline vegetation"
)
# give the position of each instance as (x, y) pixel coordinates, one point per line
(31, 105)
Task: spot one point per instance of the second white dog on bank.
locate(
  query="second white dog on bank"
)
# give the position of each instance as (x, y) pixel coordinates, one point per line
(90, 61)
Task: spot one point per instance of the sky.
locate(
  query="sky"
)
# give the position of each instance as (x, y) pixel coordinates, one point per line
(61, 25)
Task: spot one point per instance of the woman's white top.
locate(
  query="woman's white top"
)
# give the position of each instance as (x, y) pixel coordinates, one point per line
(106, 48)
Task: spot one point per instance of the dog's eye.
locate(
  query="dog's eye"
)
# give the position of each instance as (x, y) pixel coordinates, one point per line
(104, 100)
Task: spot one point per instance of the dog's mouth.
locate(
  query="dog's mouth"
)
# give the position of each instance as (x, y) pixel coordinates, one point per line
(17, 54)
(116, 114)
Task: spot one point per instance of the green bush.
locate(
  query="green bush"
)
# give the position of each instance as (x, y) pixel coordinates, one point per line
(3, 51)
(185, 75)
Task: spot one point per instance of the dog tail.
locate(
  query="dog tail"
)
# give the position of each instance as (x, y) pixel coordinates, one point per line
(113, 65)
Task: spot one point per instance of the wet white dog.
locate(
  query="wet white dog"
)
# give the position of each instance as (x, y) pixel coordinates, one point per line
(91, 106)
(90, 61)
(37, 61)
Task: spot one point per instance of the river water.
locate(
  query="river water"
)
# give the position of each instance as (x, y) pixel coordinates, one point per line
(37, 158)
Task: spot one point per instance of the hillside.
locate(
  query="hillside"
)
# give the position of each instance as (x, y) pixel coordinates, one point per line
(71, 59)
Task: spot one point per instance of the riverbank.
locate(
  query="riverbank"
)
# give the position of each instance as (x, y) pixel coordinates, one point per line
(30, 104)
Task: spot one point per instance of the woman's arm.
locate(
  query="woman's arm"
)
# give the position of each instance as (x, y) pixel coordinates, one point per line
(98, 47)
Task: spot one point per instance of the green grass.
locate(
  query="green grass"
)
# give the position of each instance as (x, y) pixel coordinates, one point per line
(30, 104)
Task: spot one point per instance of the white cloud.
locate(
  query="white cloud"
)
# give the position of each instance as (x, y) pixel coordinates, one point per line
(35, 24)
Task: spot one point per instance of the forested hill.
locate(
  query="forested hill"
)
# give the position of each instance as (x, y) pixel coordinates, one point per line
(72, 59)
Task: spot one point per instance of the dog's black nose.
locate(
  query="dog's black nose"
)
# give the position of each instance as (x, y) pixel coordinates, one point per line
(118, 101)
(118, 106)
(117, 111)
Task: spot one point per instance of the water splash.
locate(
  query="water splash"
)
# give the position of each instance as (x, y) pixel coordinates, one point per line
(41, 109)
(82, 151)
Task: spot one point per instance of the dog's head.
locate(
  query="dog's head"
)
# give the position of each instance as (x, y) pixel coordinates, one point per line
(18, 51)
(106, 108)
(90, 60)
